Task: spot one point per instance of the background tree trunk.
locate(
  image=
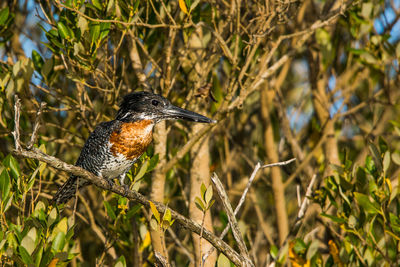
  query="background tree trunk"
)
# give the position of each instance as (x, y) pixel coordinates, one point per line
(200, 173)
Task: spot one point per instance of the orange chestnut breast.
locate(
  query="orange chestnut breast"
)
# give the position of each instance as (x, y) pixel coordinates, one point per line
(132, 139)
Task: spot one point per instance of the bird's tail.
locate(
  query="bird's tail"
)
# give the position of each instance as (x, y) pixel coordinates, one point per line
(68, 189)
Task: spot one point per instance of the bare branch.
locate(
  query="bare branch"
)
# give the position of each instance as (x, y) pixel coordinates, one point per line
(243, 197)
(282, 163)
(160, 260)
(15, 133)
(132, 195)
(36, 126)
(232, 219)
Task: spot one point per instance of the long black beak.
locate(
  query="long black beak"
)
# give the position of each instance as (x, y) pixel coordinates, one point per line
(173, 112)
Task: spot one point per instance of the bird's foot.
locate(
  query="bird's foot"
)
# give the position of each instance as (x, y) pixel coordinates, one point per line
(110, 182)
(126, 189)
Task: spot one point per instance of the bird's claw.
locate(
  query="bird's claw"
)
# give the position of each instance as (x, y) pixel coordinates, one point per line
(126, 189)
(110, 182)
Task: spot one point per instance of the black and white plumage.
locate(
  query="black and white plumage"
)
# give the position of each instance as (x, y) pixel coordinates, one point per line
(114, 146)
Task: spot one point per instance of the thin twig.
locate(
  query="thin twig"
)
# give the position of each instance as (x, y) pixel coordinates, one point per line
(232, 220)
(278, 163)
(160, 260)
(244, 194)
(36, 126)
(179, 243)
(15, 133)
(189, 224)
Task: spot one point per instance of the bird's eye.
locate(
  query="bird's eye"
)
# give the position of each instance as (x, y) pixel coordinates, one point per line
(155, 102)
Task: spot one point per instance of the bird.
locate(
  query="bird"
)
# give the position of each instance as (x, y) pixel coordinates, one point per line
(114, 146)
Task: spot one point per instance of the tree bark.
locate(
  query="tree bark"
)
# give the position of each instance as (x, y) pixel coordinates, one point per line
(276, 176)
(200, 173)
(157, 186)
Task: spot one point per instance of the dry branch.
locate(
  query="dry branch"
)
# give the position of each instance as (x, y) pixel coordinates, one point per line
(132, 195)
(243, 197)
(232, 219)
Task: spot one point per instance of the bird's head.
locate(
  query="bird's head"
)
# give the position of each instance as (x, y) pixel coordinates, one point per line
(148, 106)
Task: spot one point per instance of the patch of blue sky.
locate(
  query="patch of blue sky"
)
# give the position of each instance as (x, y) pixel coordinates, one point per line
(386, 18)
(297, 118)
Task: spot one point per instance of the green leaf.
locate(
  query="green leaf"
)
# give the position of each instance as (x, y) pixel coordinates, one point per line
(368, 206)
(11, 163)
(7, 202)
(155, 211)
(142, 171)
(274, 251)
(223, 261)
(63, 30)
(199, 203)
(153, 163)
(135, 7)
(383, 146)
(26, 258)
(312, 249)
(208, 195)
(94, 32)
(104, 29)
(52, 217)
(386, 161)
(5, 184)
(82, 24)
(167, 217)
(110, 8)
(375, 156)
(37, 60)
(4, 15)
(58, 242)
(47, 67)
(203, 190)
(299, 247)
(28, 242)
(97, 4)
(334, 218)
(121, 262)
(62, 226)
(110, 211)
(38, 255)
(396, 157)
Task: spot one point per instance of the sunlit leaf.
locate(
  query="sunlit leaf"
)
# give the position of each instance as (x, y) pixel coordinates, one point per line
(27, 259)
(208, 194)
(28, 242)
(366, 203)
(386, 161)
(4, 15)
(37, 60)
(5, 184)
(199, 203)
(58, 242)
(63, 30)
(13, 166)
(142, 171)
(183, 7)
(155, 211)
(223, 261)
(121, 262)
(203, 190)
